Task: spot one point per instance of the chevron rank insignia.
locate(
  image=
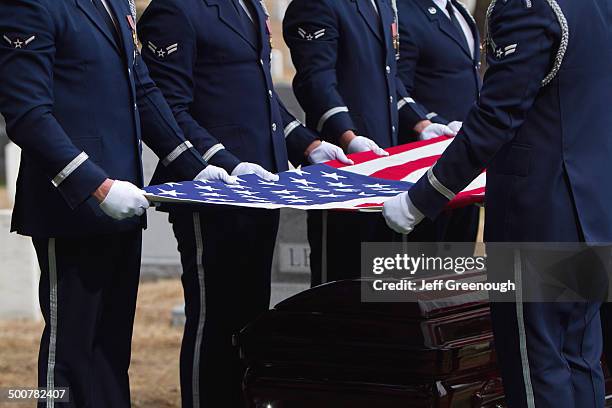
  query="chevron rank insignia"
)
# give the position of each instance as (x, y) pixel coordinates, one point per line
(18, 42)
(503, 52)
(311, 35)
(162, 52)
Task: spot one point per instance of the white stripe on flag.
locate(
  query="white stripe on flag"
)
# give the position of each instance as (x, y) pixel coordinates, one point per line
(381, 163)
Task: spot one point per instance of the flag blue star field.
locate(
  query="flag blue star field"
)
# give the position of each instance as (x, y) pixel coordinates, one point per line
(366, 185)
(313, 187)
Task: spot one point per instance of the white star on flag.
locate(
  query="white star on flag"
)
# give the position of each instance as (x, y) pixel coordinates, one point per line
(207, 188)
(302, 181)
(285, 191)
(375, 186)
(341, 184)
(212, 195)
(298, 171)
(334, 176)
(172, 193)
(269, 183)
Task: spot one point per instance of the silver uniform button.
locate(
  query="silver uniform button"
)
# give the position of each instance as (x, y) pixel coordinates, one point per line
(393, 129)
(388, 69)
(270, 92)
(274, 127)
(391, 99)
(261, 62)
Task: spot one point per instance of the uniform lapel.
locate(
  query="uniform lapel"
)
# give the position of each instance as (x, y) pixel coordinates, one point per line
(470, 20)
(90, 11)
(386, 19)
(261, 23)
(123, 25)
(367, 16)
(229, 16)
(444, 24)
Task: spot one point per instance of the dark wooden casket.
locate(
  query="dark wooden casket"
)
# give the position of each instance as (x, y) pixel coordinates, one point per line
(326, 348)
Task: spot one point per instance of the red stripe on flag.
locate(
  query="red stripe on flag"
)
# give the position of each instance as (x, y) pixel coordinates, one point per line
(402, 170)
(363, 157)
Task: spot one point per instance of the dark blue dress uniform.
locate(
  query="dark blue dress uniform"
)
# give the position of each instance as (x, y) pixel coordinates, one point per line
(541, 129)
(78, 100)
(211, 59)
(345, 56)
(442, 77)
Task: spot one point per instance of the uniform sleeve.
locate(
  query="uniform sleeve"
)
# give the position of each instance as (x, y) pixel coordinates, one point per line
(297, 136)
(27, 55)
(160, 130)
(525, 41)
(310, 30)
(411, 111)
(170, 51)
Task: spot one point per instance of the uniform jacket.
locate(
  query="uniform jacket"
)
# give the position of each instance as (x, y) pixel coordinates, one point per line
(436, 65)
(346, 67)
(79, 104)
(541, 127)
(215, 74)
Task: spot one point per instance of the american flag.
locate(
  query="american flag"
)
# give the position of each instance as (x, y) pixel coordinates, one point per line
(364, 186)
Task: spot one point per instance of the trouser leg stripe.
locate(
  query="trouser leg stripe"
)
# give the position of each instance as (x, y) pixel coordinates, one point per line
(199, 240)
(520, 318)
(324, 277)
(52, 323)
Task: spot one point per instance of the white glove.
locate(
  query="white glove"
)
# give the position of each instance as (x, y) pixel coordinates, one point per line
(124, 200)
(435, 130)
(401, 215)
(327, 152)
(363, 144)
(455, 126)
(252, 168)
(214, 173)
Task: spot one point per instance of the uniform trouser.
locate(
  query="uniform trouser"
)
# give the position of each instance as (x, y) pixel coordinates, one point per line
(548, 352)
(87, 290)
(227, 260)
(335, 239)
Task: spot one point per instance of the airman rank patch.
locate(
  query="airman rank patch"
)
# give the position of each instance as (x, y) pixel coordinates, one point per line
(18, 42)
(503, 52)
(162, 52)
(309, 36)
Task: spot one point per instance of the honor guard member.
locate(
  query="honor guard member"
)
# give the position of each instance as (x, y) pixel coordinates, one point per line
(440, 67)
(211, 59)
(345, 55)
(541, 130)
(78, 100)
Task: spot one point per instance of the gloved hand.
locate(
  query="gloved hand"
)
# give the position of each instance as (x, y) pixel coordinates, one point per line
(252, 168)
(401, 215)
(455, 126)
(124, 200)
(363, 144)
(327, 152)
(436, 129)
(214, 173)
